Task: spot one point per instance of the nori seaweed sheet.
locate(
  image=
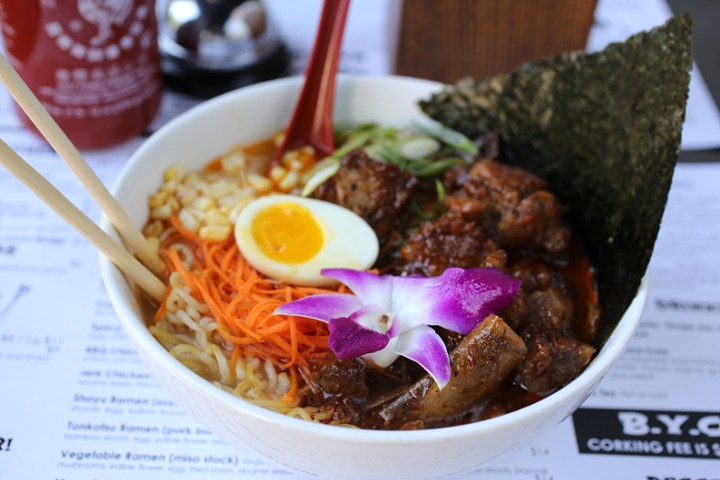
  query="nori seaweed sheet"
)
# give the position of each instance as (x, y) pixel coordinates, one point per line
(604, 130)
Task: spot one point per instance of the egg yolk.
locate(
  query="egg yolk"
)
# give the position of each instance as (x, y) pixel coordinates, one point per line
(287, 233)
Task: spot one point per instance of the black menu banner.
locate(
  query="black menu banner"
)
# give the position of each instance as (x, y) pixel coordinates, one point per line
(650, 433)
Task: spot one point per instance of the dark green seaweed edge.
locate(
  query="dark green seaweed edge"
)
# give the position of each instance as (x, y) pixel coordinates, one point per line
(604, 130)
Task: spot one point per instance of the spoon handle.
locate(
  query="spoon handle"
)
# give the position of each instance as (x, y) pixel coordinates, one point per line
(312, 120)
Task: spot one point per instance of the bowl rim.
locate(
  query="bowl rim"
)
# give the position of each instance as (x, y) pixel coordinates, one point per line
(135, 325)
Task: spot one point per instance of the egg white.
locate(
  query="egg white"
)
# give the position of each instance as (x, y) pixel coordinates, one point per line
(349, 242)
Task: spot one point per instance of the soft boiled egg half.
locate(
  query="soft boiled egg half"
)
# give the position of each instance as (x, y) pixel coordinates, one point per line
(290, 238)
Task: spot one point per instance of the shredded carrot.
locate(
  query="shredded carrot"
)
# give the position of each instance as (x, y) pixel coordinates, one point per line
(185, 233)
(242, 302)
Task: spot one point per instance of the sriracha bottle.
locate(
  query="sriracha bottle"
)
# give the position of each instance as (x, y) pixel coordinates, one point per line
(94, 64)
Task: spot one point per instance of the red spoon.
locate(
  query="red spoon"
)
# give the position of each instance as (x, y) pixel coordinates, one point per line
(312, 120)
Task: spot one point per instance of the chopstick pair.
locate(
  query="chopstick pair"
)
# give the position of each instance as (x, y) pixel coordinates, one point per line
(142, 271)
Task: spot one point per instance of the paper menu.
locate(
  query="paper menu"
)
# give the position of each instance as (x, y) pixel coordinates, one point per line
(77, 404)
(369, 40)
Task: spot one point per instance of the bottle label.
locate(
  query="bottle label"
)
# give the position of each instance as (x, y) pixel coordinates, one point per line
(108, 69)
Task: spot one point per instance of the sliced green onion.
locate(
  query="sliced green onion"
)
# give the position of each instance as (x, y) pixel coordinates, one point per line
(351, 128)
(415, 148)
(373, 151)
(320, 172)
(436, 167)
(447, 135)
(391, 156)
(440, 189)
(356, 140)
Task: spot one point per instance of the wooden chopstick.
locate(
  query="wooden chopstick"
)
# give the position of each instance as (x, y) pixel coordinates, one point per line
(74, 216)
(67, 151)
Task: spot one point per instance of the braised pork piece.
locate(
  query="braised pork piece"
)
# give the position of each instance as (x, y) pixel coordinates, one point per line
(492, 214)
(378, 192)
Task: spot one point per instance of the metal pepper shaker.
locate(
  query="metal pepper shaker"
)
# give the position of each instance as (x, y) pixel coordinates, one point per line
(209, 47)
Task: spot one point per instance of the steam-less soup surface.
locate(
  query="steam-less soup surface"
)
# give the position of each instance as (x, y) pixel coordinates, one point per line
(412, 280)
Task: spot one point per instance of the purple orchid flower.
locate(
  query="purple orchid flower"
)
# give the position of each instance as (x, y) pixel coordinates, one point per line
(392, 316)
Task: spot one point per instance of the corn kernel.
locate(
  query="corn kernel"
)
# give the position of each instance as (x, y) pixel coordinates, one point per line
(234, 162)
(191, 179)
(259, 183)
(296, 165)
(174, 203)
(308, 156)
(289, 182)
(228, 199)
(163, 212)
(189, 221)
(277, 174)
(175, 172)
(186, 194)
(216, 233)
(215, 217)
(169, 186)
(157, 199)
(203, 203)
(154, 229)
(289, 156)
(196, 212)
(220, 188)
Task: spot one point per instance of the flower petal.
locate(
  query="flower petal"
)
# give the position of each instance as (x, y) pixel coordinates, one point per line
(385, 357)
(348, 339)
(372, 317)
(322, 307)
(369, 287)
(424, 346)
(458, 299)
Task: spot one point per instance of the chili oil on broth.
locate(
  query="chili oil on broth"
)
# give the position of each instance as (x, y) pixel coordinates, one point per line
(190, 330)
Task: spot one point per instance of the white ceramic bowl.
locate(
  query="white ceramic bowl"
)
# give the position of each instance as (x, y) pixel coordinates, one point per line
(254, 113)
